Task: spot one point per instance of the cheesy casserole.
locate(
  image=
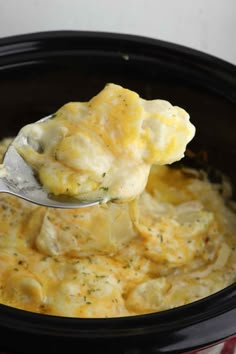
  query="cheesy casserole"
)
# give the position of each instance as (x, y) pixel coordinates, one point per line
(171, 243)
(171, 246)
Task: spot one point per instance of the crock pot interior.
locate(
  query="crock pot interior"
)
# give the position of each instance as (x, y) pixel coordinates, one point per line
(41, 72)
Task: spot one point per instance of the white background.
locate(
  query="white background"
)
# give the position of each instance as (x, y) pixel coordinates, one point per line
(206, 25)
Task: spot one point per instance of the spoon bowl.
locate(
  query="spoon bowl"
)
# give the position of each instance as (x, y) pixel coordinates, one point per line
(18, 178)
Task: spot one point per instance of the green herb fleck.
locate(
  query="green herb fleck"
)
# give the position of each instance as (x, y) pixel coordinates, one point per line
(104, 188)
(90, 291)
(160, 236)
(115, 198)
(126, 266)
(44, 258)
(76, 262)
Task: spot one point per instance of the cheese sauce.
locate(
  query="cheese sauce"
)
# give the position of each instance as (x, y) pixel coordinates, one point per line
(170, 242)
(172, 245)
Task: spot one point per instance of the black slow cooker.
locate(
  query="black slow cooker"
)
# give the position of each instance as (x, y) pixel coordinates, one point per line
(40, 72)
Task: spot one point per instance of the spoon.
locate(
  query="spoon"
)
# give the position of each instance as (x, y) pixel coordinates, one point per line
(18, 178)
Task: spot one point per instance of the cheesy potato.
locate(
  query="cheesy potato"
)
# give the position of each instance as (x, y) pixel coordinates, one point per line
(170, 241)
(172, 245)
(103, 149)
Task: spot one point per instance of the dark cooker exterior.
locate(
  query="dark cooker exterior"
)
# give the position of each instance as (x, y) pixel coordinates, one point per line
(38, 73)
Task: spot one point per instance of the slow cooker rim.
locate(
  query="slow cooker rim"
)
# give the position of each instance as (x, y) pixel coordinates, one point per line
(40, 46)
(45, 35)
(215, 304)
(182, 337)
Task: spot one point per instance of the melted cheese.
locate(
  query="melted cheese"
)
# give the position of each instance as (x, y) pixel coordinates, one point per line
(104, 148)
(173, 245)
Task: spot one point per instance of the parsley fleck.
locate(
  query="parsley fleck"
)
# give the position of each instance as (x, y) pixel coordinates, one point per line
(114, 199)
(44, 258)
(90, 291)
(104, 188)
(126, 266)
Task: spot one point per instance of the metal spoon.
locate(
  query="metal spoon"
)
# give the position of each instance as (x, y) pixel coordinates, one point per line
(20, 180)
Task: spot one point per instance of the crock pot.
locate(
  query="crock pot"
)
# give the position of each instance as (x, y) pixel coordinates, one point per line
(39, 72)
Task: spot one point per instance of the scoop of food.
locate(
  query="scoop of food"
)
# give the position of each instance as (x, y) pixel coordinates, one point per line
(96, 151)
